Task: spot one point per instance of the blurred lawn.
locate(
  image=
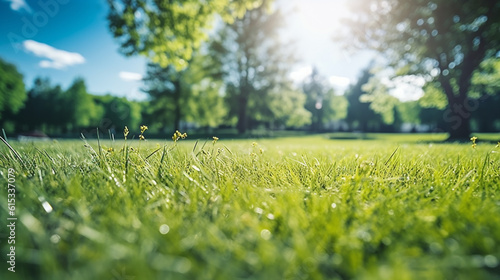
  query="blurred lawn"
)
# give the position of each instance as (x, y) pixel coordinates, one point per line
(394, 207)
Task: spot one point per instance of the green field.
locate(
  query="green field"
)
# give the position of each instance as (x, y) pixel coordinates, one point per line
(312, 207)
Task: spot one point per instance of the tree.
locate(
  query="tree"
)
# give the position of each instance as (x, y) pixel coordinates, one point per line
(12, 91)
(288, 109)
(45, 108)
(446, 40)
(253, 63)
(184, 95)
(359, 114)
(164, 86)
(168, 32)
(322, 102)
(117, 112)
(79, 108)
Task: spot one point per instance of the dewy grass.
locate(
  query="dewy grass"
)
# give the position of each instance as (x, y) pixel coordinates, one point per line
(289, 208)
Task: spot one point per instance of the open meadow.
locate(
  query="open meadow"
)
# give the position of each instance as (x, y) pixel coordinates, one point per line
(311, 207)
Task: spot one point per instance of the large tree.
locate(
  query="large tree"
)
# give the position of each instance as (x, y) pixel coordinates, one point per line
(45, 108)
(167, 32)
(322, 102)
(164, 85)
(253, 63)
(446, 40)
(79, 107)
(184, 95)
(360, 115)
(12, 91)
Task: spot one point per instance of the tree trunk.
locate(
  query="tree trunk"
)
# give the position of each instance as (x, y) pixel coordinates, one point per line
(458, 114)
(458, 117)
(461, 132)
(242, 124)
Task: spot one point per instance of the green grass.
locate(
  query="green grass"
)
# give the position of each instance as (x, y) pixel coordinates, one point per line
(394, 207)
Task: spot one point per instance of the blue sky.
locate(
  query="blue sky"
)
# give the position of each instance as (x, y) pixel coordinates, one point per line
(65, 39)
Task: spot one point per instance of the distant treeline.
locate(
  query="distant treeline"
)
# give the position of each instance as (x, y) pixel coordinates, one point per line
(206, 104)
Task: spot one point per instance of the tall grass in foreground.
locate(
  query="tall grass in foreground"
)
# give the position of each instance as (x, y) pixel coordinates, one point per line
(291, 208)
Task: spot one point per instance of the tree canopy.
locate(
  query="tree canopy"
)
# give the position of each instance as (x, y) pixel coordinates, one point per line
(254, 64)
(167, 32)
(445, 40)
(12, 91)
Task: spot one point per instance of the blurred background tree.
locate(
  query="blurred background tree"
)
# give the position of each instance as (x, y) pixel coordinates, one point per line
(445, 40)
(253, 63)
(79, 109)
(360, 115)
(44, 108)
(12, 92)
(322, 102)
(168, 32)
(164, 85)
(117, 112)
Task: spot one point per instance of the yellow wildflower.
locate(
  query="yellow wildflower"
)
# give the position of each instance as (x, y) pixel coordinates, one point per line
(110, 150)
(125, 132)
(143, 128)
(254, 144)
(473, 139)
(215, 139)
(177, 135)
(141, 137)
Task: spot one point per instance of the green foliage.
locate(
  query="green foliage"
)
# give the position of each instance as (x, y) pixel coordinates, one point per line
(486, 80)
(165, 86)
(409, 112)
(322, 102)
(12, 91)
(307, 207)
(45, 108)
(187, 95)
(253, 63)
(168, 32)
(206, 105)
(359, 114)
(117, 112)
(446, 40)
(288, 109)
(433, 97)
(79, 107)
(381, 102)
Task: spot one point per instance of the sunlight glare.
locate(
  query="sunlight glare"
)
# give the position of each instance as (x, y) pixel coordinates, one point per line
(321, 16)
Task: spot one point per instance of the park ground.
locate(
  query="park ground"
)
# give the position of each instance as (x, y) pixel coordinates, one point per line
(330, 206)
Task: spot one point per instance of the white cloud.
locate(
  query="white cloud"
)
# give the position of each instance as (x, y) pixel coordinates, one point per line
(339, 81)
(300, 74)
(130, 76)
(57, 59)
(18, 5)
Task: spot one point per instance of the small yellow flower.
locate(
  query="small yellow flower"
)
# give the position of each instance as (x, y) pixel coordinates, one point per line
(177, 135)
(143, 128)
(215, 139)
(125, 132)
(255, 144)
(110, 150)
(141, 137)
(261, 151)
(473, 139)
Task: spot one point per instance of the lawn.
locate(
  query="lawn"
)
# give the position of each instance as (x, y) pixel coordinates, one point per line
(311, 207)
